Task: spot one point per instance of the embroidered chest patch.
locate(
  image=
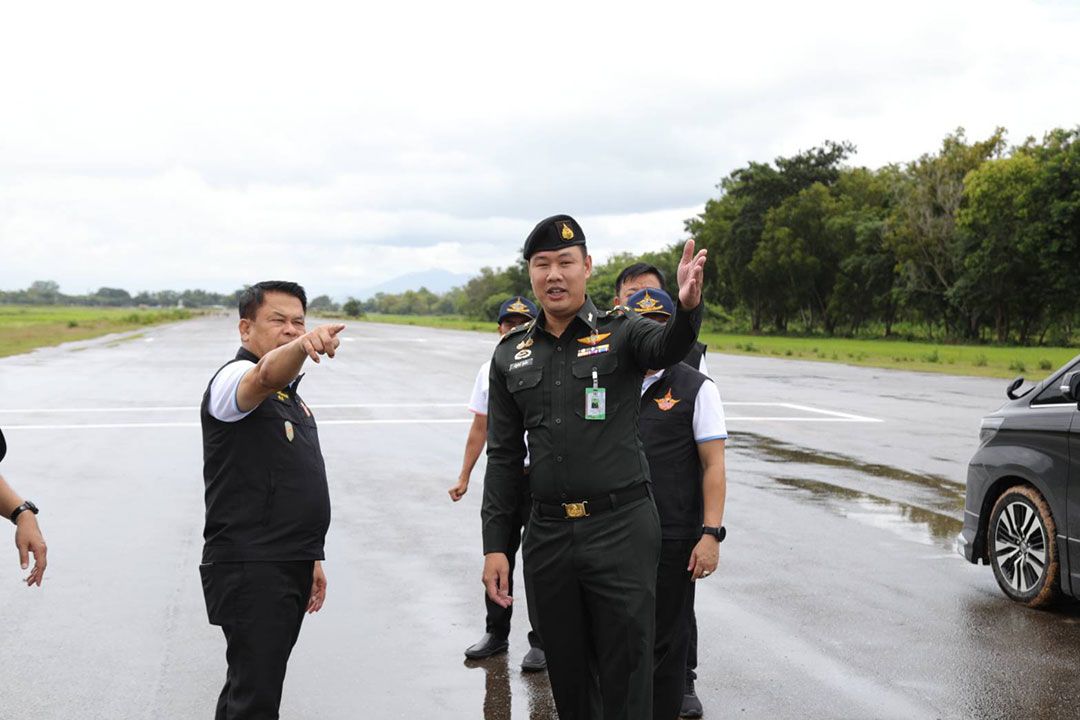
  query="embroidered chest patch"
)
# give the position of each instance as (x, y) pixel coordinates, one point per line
(667, 402)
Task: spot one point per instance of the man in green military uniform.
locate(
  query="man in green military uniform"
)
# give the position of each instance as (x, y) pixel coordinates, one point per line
(572, 379)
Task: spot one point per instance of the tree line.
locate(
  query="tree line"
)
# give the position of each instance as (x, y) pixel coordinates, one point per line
(977, 241)
(47, 292)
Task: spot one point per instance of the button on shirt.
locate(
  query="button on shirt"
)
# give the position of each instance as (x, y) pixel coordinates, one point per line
(537, 383)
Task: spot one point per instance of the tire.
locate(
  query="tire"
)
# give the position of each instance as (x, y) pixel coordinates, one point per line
(1021, 542)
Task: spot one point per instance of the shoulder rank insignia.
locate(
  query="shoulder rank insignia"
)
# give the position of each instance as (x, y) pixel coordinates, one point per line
(667, 402)
(594, 339)
(516, 331)
(525, 344)
(282, 396)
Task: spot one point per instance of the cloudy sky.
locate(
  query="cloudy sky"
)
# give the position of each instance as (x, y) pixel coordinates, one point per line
(213, 144)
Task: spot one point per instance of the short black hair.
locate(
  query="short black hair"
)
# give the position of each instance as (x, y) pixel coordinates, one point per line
(253, 296)
(637, 270)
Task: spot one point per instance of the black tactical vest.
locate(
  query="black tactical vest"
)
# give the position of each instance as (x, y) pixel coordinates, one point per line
(667, 432)
(266, 491)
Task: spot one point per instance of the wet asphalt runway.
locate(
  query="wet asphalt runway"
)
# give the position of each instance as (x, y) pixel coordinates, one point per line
(839, 594)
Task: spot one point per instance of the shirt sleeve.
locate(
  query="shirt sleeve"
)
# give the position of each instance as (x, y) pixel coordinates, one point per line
(505, 462)
(223, 391)
(702, 367)
(709, 423)
(478, 403)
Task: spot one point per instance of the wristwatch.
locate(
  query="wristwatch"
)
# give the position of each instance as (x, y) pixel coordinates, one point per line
(25, 506)
(717, 532)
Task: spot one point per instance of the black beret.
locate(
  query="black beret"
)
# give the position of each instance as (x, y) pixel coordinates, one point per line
(553, 233)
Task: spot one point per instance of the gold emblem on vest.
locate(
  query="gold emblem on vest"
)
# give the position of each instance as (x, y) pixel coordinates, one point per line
(289, 432)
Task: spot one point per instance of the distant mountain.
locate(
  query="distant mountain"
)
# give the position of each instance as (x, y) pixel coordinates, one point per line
(437, 281)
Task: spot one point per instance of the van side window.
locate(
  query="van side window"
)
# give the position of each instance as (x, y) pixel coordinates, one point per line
(1052, 393)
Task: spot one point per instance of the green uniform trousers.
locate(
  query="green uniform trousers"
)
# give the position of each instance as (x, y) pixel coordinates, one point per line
(593, 580)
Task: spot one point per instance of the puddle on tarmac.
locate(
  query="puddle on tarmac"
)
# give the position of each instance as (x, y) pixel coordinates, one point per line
(503, 684)
(940, 530)
(880, 495)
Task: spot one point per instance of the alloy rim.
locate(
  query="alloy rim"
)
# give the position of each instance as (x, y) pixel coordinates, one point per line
(1020, 546)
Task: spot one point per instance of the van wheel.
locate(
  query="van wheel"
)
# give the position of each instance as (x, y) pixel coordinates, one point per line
(1023, 549)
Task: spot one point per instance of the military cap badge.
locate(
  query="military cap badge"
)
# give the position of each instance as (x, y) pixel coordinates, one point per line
(567, 232)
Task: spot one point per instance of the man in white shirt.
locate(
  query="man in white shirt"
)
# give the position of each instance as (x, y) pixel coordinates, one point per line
(513, 312)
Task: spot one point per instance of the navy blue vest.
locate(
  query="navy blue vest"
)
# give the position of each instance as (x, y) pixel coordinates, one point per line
(266, 491)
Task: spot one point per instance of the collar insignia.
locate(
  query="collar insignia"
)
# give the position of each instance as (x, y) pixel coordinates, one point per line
(567, 233)
(594, 339)
(648, 304)
(667, 402)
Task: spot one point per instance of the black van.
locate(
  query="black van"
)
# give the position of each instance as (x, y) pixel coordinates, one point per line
(1022, 511)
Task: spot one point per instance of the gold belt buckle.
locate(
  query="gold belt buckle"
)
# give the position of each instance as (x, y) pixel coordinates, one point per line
(575, 510)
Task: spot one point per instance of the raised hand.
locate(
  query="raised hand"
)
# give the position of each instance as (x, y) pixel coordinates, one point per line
(691, 276)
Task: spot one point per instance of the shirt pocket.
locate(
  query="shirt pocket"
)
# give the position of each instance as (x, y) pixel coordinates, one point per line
(605, 366)
(527, 391)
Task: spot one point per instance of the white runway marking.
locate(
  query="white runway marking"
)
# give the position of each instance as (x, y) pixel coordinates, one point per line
(114, 426)
(814, 415)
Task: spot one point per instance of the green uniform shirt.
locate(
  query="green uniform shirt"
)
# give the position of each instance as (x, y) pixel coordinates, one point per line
(538, 384)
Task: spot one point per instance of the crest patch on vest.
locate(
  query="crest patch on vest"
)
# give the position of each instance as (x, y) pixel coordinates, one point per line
(667, 402)
(290, 433)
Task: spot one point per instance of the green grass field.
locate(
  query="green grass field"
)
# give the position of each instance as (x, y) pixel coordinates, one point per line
(983, 360)
(26, 327)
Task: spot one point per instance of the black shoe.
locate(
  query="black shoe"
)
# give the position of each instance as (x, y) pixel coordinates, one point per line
(691, 706)
(490, 644)
(534, 660)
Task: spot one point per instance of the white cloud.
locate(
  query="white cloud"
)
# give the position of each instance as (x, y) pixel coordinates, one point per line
(212, 143)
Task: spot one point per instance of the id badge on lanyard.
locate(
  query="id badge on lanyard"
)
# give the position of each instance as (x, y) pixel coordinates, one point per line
(595, 400)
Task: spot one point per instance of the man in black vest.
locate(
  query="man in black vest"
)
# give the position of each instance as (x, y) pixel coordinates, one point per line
(28, 537)
(631, 279)
(572, 379)
(267, 503)
(683, 431)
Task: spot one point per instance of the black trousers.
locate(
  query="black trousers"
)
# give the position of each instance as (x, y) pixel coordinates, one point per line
(691, 655)
(498, 618)
(673, 595)
(260, 607)
(593, 581)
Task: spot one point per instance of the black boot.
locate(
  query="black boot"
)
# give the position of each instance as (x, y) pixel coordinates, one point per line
(490, 644)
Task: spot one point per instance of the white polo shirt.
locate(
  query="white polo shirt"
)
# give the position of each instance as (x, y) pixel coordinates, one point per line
(478, 403)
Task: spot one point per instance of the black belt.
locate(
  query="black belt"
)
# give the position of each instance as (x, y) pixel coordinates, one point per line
(585, 508)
